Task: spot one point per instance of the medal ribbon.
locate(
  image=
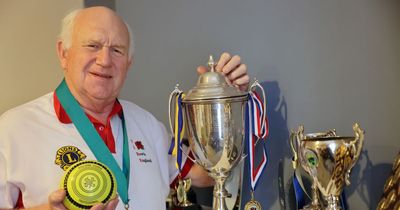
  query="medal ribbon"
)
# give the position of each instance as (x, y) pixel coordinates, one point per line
(176, 143)
(256, 125)
(299, 192)
(95, 142)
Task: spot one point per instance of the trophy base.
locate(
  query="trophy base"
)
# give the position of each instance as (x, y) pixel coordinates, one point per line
(312, 207)
(192, 207)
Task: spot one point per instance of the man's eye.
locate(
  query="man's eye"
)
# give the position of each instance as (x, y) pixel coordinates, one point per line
(118, 51)
(93, 46)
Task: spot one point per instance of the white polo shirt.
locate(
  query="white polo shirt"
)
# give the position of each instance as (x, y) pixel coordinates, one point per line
(35, 150)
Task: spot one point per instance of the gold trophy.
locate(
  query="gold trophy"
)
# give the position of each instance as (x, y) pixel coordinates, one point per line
(391, 190)
(328, 159)
(181, 192)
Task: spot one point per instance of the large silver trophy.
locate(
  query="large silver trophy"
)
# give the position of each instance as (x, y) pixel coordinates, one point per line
(214, 120)
(328, 159)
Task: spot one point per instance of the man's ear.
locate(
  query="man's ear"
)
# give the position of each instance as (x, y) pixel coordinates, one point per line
(62, 54)
(130, 62)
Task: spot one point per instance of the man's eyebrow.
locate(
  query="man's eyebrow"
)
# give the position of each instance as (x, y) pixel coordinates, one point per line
(119, 46)
(90, 42)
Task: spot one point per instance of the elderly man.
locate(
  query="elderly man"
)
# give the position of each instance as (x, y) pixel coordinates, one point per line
(41, 139)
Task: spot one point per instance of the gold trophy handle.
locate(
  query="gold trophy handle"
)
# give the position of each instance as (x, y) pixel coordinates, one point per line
(295, 138)
(293, 146)
(359, 140)
(356, 145)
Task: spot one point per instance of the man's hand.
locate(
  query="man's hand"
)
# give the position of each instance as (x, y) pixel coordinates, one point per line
(200, 177)
(235, 72)
(56, 199)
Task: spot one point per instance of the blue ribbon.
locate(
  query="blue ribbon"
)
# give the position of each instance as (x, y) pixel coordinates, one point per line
(299, 193)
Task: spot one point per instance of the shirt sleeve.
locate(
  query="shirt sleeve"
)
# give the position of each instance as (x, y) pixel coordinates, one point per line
(8, 191)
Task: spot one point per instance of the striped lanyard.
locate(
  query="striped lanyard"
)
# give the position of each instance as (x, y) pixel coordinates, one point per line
(256, 125)
(178, 129)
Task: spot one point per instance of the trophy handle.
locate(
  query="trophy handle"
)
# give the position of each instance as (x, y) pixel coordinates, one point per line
(356, 145)
(293, 146)
(295, 138)
(172, 104)
(172, 97)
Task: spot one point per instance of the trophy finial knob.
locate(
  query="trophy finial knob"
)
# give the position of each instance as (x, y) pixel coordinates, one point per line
(211, 63)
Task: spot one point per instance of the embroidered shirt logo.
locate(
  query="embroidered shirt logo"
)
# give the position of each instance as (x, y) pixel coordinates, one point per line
(139, 145)
(68, 155)
(140, 151)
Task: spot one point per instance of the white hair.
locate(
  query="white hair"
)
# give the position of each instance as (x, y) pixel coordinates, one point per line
(67, 26)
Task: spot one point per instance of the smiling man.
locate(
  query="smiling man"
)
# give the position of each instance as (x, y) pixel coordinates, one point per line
(42, 138)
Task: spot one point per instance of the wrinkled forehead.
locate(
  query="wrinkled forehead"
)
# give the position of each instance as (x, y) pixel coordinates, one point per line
(101, 25)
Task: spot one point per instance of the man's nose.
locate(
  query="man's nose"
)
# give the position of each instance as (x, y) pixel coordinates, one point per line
(104, 57)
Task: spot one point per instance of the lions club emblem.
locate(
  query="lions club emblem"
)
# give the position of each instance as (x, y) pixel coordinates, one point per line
(68, 155)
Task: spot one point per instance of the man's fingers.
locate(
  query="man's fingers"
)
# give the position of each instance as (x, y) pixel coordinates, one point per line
(112, 204)
(231, 66)
(239, 72)
(57, 197)
(223, 60)
(242, 82)
(56, 200)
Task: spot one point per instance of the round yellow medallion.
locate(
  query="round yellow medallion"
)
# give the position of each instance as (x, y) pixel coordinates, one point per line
(87, 183)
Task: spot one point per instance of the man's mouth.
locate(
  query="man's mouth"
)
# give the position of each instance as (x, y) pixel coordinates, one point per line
(106, 76)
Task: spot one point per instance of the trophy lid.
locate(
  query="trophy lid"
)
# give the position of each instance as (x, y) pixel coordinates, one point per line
(211, 86)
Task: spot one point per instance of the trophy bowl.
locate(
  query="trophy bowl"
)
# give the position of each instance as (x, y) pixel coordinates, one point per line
(216, 132)
(328, 159)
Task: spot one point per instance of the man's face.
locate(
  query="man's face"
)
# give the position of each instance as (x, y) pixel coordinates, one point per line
(97, 62)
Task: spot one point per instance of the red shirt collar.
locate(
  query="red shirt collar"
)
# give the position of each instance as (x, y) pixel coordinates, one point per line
(64, 118)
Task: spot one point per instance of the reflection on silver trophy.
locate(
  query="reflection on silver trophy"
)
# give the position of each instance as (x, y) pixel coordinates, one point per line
(214, 121)
(328, 159)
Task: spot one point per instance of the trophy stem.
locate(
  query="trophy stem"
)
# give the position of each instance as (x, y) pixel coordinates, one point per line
(220, 193)
(333, 203)
(315, 202)
(315, 196)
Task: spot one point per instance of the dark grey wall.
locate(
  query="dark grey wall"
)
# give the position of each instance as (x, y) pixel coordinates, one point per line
(107, 3)
(324, 64)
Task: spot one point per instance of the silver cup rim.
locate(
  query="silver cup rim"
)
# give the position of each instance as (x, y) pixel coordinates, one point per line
(329, 138)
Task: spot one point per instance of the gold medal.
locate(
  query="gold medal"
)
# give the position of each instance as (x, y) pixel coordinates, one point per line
(252, 204)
